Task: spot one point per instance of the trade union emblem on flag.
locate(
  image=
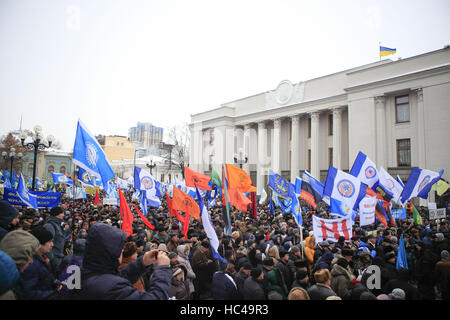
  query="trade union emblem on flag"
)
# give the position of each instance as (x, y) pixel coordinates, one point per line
(344, 187)
(419, 183)
(332, 229)
(365, 170)
(194, 178)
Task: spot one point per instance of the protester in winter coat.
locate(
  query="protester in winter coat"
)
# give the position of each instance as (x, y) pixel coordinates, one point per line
(240, 278)
(321, 290)
(442, 271)
(55, 226)
(401, 280)
(101, 279)
(129, 255)
(38, 280)
(276, 283)
(204, 268)
(9, 276)
(310, 244)
(223, 285)
(285, 268)
(183, 259)
(341, 279)
(21, 246)
(302, 280)
(253, 289)
(179, 288)
(9, 218)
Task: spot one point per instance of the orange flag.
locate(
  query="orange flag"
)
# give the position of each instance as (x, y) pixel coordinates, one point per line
(125, 212)
(183, 202)
(239, 200)
(173, 212)
(239, 179)
(194, 178)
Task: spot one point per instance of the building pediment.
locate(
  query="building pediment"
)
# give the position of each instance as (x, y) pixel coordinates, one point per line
(286, 93)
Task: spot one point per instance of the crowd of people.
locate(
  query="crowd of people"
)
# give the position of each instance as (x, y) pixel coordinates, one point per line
(264, 259)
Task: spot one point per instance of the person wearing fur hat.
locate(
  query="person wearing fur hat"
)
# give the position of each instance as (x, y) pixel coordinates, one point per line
(253, 287)
(321, 290)
(129, 255)
(38, 280)
(183, 260)
(21, 246)
(341, 279)
(9, 218)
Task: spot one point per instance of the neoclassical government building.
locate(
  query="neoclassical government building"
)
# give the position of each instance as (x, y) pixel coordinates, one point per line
(396, 112)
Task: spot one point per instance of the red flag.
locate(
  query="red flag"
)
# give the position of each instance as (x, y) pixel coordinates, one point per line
(239, 200)
(173, 212)
(127, 221)
(186, 223)
(195, 178)
(144, 219)
(97, 199)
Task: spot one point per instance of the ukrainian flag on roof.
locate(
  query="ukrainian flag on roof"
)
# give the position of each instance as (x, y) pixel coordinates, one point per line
(385, 51)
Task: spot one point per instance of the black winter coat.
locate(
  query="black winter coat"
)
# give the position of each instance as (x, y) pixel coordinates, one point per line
(100, 278)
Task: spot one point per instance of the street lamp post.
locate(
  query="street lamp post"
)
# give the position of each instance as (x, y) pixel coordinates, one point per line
(242, 159)
(11, 156)
(151, 166)
(35, 146)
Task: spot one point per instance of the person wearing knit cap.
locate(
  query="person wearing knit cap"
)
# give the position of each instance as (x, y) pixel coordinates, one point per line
(397, 294)
(442, 272)
(9, 275)
(9, 218)
(55, 225)
(38, 279)
(301, 280)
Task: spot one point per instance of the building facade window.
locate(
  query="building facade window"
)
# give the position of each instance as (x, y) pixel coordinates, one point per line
(404, 153)
(402, 113)
(62, 169)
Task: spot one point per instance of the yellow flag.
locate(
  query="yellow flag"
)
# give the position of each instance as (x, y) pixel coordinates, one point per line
(440, 187)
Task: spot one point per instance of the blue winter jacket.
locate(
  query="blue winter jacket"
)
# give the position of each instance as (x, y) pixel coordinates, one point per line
(100, 278)
(37, 280)
(223, 288)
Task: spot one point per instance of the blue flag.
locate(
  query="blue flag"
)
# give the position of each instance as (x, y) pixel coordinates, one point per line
(61, 178)
(143, 180)
(24, 195)
(85, 178)
(419, 183)
(401, 255)
(89, 155)
(144, 203)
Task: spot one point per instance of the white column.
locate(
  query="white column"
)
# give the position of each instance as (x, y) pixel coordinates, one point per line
(421, 129)
(246, 150)
(337, 138)
(295, 151)
(381, 131)
(315, 169)
(262, 156)
(276, 146)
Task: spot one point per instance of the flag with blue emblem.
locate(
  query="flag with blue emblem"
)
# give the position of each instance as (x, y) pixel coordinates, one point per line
(419, 183)
(286, 190)
(209, 228)
(344, 187)
(122, 184)
(144, 203)
(14, 179)
(61, 178)
(143, 180)
(89, 155)
(365, 170)
(392, 187)
(85, 178)
(24, 195)
(6, 176)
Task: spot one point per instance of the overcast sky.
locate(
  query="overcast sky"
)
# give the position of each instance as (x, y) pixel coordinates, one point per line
(112, 63)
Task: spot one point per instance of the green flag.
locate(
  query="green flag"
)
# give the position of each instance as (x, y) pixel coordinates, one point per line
(216, 179)
(416, 215)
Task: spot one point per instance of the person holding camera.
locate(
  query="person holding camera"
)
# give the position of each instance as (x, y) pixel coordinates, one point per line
(102, 280)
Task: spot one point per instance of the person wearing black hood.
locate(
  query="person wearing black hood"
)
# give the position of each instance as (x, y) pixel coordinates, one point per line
(9, 218)
(101, 279)
(401, 281)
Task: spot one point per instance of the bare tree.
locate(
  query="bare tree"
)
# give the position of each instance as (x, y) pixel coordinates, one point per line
(9, 141)
(176, 150)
